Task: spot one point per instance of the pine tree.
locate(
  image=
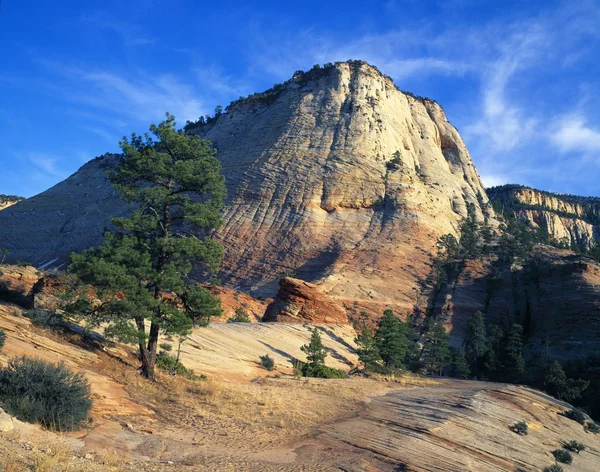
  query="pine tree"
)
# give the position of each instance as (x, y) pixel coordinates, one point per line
(475, 341)
(436, 347)
(391, 340)
(368, 353)
(469, 234)
(492, 360)
(460, 367)
(563, 388)
(139, 274)
(513, 353)
(315, 353)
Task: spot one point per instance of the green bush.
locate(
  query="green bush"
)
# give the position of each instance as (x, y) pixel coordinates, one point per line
(170, 364)
(576, 415)
(2, 338)
(520, 428)
(553, 468)
(267, 362)
(166, 347)
(593, 428)
(241, 316)
(40, 392)
(562, 456)
(322, 371)
(574, 446)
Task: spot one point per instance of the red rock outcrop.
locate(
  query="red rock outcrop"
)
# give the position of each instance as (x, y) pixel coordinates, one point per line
(302, 302)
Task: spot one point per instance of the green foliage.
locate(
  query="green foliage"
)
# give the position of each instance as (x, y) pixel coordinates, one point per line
(314, 350)
(321, 371)
(592, 427)
(447, 248)
(267, 362)
(520, 428)
(574, 446)
(241, 316)
(553, 468)
(391, 340)
(476, 344)
(492, 361)
(460, 366)
(562, 456)
(576, 415)
(39, 392)
(514, 362)
(315, 354)
(469, 235)
(557, 384)
(436, 347)
(173, 366)
(166, 347)
(395, 163)
(367, 350)
(140, 272)
(2, 338)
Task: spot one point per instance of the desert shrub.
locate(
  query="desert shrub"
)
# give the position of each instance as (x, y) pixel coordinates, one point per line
(170, 364)
(241, 316)
(562, 456)
(166, 347)
(322, 371)
(574, 446)
(553, 468)
(520, 428)
(2, 338)
(593, 428)
(40, 392)
(267, 362)
(576, 415)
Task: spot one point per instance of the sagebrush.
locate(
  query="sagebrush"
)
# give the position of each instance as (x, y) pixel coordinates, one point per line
(40, 392)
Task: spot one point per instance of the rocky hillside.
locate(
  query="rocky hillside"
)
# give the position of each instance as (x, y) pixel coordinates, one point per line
(335, 177)
(554, 295)
(569, 220)
(8, 200)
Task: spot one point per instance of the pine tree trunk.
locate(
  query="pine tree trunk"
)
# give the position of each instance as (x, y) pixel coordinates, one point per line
(148, 352)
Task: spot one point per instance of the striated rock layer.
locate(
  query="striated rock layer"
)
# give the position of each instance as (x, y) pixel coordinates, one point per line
(571, 220)
(336, 176)
(555, 295)
(301, 302)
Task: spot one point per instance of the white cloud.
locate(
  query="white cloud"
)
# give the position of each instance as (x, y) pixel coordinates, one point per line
(134, 97)
(573, 134)
(492, 180)
(46, 164)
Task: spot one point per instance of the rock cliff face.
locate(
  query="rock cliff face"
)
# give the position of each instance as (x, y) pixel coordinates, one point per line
(71, 216)
(336, 176)
(8, 200)
(570, 220)
(301, 302)
(555, 295)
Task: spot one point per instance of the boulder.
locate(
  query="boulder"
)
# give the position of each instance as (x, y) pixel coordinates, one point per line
(302, 302)
(6, 423)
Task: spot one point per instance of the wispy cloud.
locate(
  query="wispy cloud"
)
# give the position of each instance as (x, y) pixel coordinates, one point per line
(46, 164)
(135, 96)
(573, 134)
(130, 33)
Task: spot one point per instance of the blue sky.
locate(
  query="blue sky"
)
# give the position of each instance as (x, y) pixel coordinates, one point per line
(519, 79)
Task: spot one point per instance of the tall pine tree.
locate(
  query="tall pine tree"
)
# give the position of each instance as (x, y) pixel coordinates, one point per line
(436, 347)
(391, 340)
(139, 275)
(475, 341)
